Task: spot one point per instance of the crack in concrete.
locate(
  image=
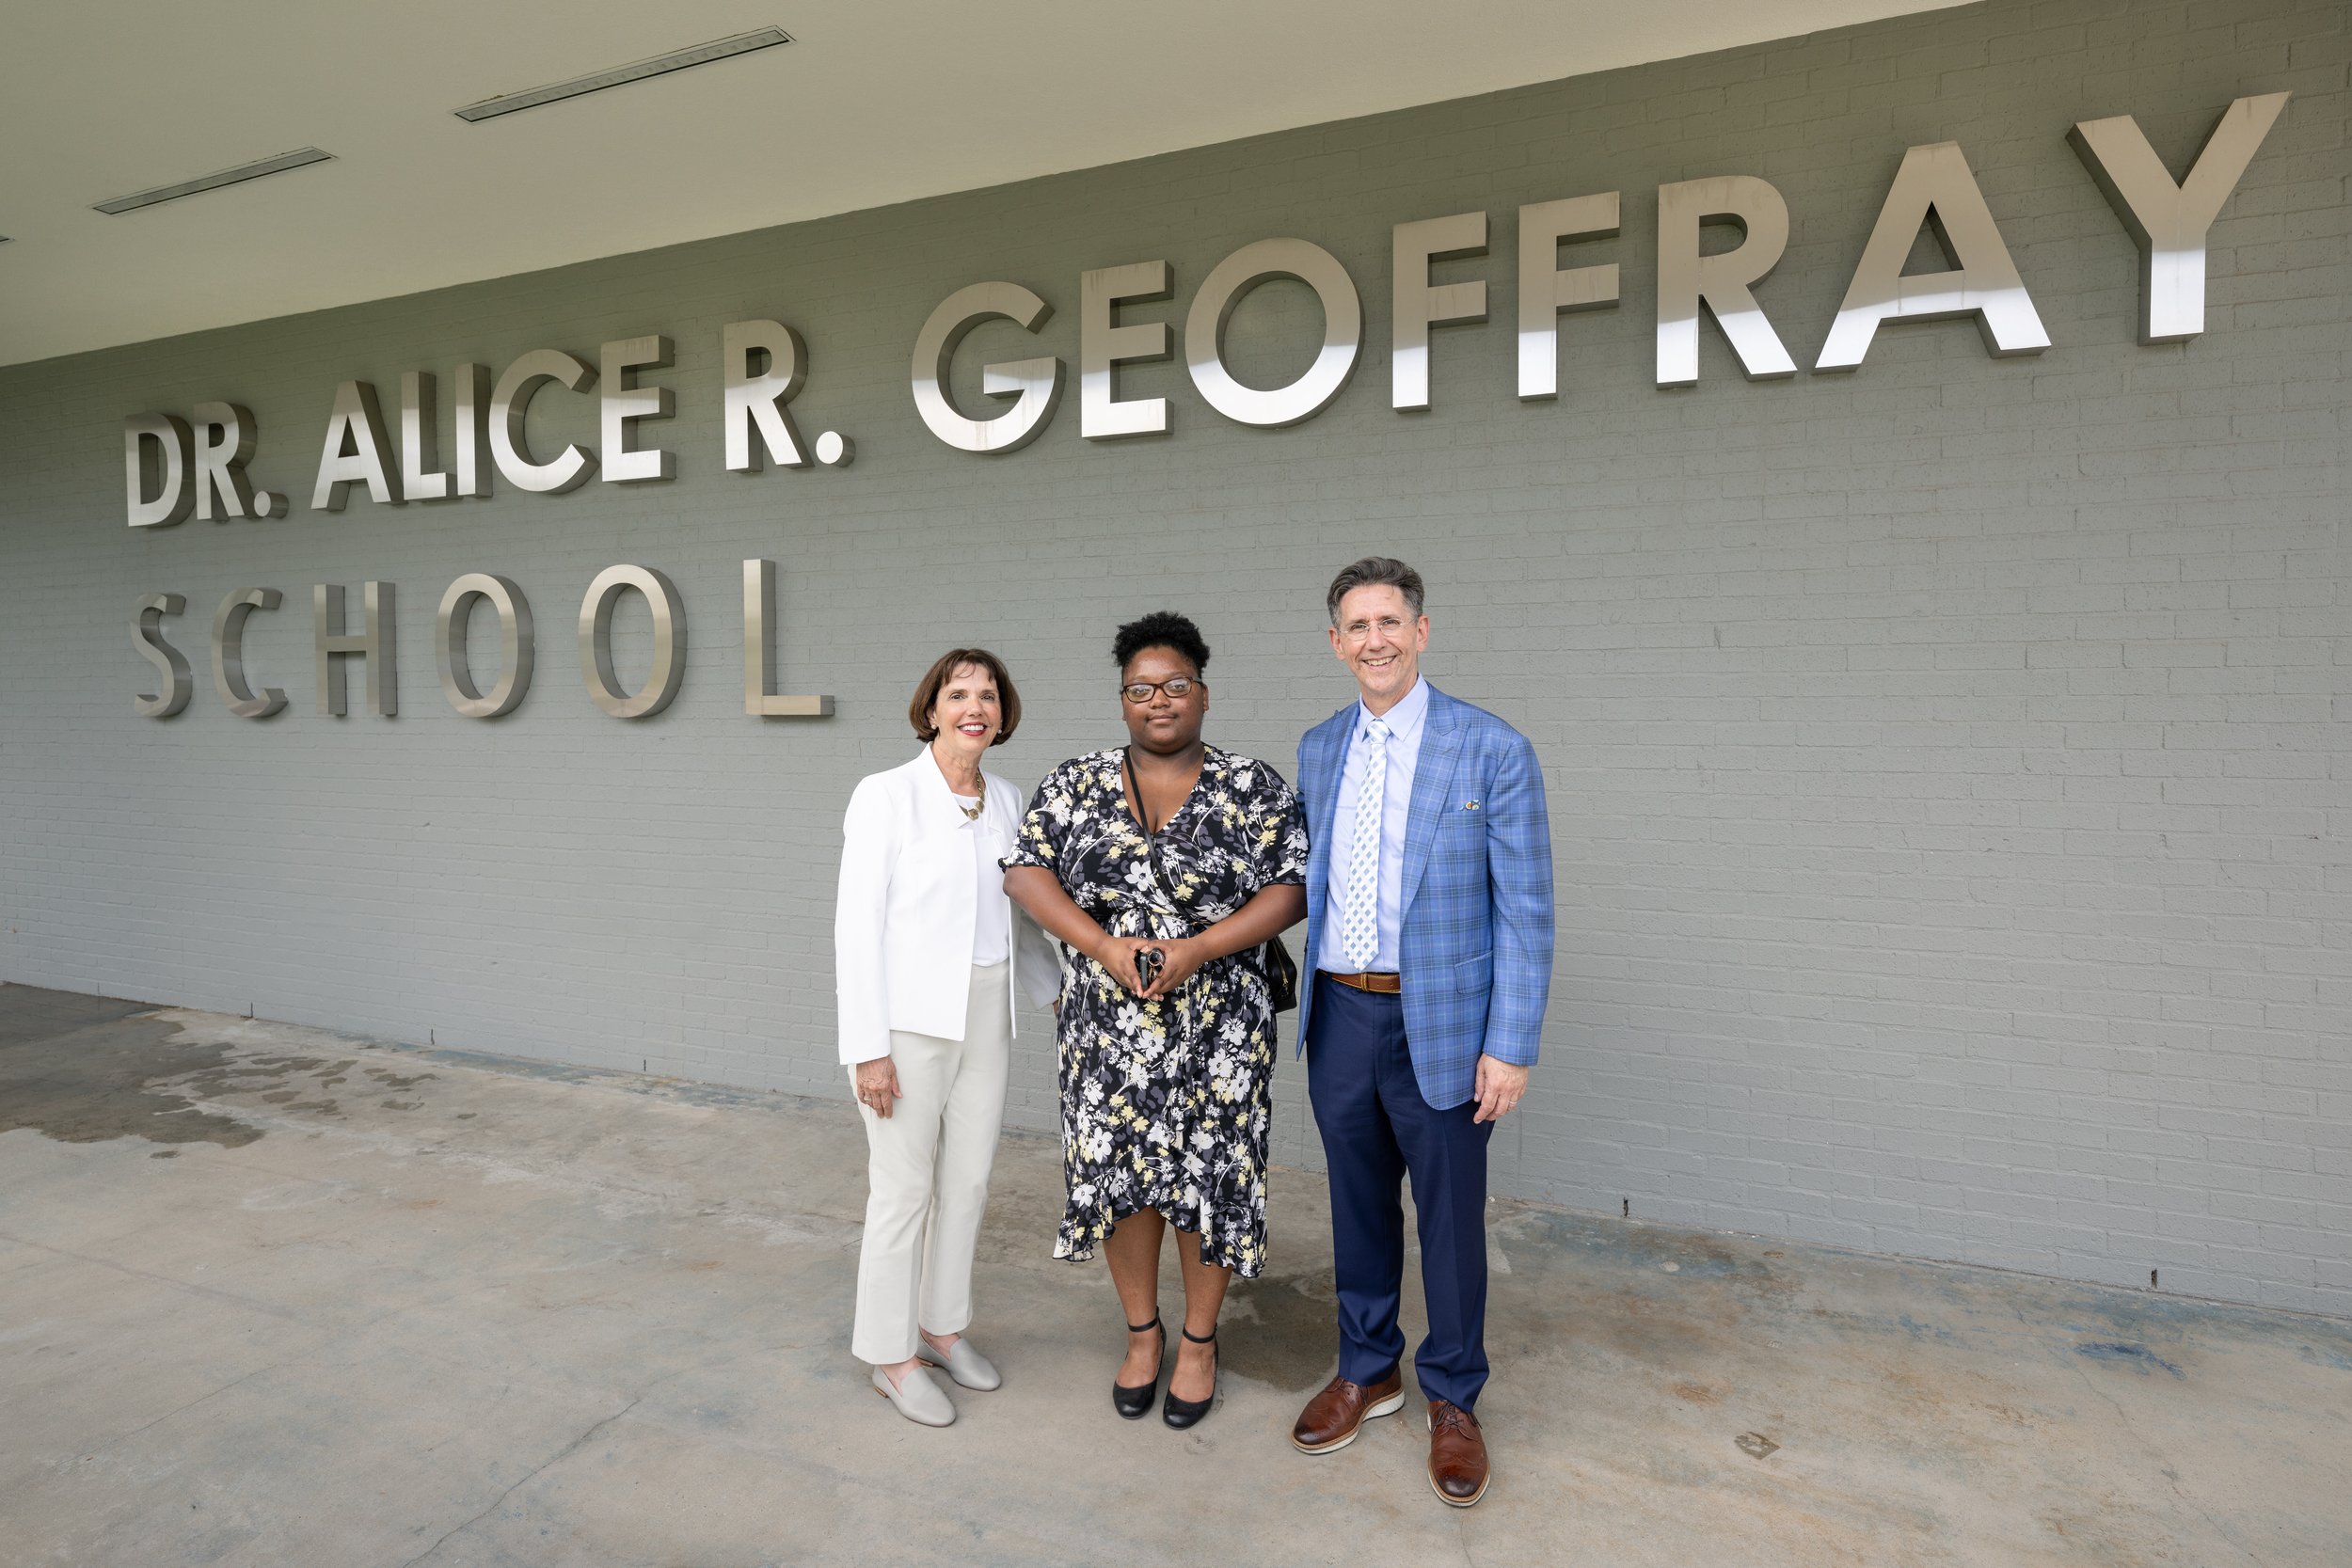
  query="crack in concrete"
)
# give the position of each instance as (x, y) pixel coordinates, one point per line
(117, 1441)
(1461, 1538)
(229, 1296)
(2164, 1466)
(569, 1449)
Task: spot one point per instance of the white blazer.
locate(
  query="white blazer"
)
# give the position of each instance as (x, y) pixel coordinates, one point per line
(908, 905)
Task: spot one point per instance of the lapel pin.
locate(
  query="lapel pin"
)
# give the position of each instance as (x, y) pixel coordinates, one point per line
(1470, 805)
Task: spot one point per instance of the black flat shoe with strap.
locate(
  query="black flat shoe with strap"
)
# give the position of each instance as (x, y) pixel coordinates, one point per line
(1180, 1414)
(1136, 1404)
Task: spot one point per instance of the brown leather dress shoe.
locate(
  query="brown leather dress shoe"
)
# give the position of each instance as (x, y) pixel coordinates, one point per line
(1331, 1417)
(1457, 1454)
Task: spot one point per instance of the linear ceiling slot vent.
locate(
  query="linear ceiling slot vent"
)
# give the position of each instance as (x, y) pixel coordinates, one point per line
(299, 158)
(702, 54)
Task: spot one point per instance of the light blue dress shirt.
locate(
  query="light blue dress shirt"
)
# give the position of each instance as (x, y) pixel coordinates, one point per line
(1406, 722)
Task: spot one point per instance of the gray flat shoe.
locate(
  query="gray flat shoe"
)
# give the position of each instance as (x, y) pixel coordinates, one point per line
(967, 1366)
(919, 1399)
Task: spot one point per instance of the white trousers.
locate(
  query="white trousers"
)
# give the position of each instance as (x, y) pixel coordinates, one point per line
(928, 1161)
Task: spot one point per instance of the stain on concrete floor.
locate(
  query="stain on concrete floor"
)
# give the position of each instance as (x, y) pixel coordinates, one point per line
(85, 1069)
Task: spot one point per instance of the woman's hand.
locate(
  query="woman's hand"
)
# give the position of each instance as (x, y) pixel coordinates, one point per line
(878, 1086)
(1181, 958)
(1118, 956)
(1042, 897)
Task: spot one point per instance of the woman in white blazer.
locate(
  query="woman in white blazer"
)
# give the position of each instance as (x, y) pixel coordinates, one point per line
(926, 945)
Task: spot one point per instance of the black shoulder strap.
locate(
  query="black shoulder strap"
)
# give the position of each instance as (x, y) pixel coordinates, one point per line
(1127, 768)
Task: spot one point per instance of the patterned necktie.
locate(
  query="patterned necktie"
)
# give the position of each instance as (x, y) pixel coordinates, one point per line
(1359, 933)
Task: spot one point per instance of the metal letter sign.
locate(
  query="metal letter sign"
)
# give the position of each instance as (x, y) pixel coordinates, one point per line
(1686, 280)
(755, 399)
(1546, 289)
(229, 678)
(759, 613)
(173, 445)
(224, 442)
(194, 463)
(596, 641)
(358, 423)
(2171, 221)
(374, 644)
(515, 645)
(473, 429)
(421, 479)
(624, 404)
(1104, 346)
(1223, 289)
(1415, 307)
(1034, 384)
(1934, 186)
(511, 404)
(147, 635)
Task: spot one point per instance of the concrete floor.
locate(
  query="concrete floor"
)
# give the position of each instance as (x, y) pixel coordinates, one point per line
(273, 1296)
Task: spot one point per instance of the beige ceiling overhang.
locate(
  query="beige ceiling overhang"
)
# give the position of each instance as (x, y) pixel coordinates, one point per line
(872, 104)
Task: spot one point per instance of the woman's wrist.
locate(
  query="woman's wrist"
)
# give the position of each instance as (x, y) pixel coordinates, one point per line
(1212, 944)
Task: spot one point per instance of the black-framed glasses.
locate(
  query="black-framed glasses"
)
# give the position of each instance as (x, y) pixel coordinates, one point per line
(1177, 687)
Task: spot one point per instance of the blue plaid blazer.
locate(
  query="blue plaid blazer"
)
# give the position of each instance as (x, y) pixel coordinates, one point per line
(1476, 937)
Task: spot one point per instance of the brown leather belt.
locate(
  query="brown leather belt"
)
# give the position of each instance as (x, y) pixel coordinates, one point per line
(1379, 985)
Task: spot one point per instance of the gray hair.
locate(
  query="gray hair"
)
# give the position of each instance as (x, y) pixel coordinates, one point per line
(1372, 572)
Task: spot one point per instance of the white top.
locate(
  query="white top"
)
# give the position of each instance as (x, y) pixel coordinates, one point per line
(1406, 722)
(991, 930)
(909, 912)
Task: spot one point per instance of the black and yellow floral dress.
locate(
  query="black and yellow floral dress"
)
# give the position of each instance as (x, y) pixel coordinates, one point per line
(1166, 1104)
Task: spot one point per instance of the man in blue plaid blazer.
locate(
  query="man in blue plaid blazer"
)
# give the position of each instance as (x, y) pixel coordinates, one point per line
(1429, 934)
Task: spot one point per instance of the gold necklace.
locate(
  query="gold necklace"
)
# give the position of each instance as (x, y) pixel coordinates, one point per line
(972, 812)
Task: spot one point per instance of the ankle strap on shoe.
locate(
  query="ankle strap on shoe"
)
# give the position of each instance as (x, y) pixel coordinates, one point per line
(1197, 1340)
(1145, 1328)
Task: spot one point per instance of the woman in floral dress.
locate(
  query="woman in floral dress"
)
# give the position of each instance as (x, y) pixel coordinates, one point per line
(1166, 867)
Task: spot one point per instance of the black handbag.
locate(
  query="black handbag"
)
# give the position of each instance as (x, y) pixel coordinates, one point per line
(1281, 976)
(1273, 959)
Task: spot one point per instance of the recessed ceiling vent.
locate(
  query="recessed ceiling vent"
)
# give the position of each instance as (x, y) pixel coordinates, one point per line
(300, 158)
(660, 65)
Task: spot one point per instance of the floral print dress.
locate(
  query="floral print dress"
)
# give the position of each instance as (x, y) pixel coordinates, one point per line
(1166, 1104)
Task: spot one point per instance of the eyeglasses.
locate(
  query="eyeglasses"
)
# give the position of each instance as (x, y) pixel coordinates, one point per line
(1391, 629)
(1177, 687)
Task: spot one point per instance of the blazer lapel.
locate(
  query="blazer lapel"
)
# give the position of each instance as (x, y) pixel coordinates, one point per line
(1433, 781)
(1323, 758)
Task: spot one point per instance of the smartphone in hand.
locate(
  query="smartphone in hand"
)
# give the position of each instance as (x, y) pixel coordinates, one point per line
(1148, 963)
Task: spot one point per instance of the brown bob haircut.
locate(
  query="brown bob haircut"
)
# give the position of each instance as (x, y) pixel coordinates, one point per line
(942, 670)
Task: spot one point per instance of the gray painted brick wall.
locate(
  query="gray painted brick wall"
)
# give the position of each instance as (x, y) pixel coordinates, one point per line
(1949, 762)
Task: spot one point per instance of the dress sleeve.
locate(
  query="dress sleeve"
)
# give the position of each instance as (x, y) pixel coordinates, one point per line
(1038, 840)
(1279, 827)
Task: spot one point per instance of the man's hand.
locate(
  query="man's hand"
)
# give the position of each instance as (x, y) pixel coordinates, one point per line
(1500, 1086)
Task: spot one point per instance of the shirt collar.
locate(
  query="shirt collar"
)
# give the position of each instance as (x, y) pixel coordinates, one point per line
(1405, 720)
(938, 788)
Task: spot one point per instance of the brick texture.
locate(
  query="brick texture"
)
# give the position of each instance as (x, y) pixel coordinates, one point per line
(1950, 763)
